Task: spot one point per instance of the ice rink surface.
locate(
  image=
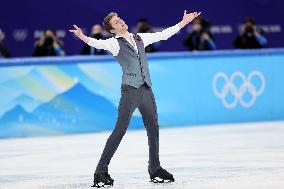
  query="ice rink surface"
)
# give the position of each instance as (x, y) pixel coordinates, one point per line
(237, 156)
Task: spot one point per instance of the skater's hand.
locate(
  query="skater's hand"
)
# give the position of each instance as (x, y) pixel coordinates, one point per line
(188, 17)
(77, 31)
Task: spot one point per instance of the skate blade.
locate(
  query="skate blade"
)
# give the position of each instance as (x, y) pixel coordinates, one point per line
(160, 180)
(102, 185)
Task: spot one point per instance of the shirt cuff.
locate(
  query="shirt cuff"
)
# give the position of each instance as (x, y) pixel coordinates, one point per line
(90, 41)
(176, 27)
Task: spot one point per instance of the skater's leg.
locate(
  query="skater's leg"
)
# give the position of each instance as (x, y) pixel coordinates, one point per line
(127, 105)
(148, 110)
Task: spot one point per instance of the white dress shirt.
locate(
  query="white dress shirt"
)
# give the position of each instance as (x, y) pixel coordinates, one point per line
(112, 45)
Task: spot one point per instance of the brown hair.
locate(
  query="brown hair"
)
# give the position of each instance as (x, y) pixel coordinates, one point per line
(106, 22)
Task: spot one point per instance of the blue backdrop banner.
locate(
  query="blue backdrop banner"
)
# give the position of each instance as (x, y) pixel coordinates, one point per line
(43, 96)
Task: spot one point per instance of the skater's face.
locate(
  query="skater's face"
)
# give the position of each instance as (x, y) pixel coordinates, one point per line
(118, 25)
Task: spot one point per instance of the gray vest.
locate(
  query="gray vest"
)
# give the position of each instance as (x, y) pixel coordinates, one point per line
(134, 67)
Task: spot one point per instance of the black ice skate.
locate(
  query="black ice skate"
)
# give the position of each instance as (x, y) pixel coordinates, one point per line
(161, 176)
(102, 179)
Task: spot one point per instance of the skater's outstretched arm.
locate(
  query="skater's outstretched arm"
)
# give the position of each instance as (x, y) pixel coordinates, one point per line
(107, 44)
(149, 38)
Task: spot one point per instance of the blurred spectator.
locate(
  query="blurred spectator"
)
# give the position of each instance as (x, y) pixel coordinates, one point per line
(4, 52)
(97, 33)
(200, 37)
(49, 45)
(251, 37)
(143, 26)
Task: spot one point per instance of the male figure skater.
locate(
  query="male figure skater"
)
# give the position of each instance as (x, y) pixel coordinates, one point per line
(136, 91)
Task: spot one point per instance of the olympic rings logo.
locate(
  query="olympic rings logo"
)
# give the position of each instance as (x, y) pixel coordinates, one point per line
(20, 34)
(238, 92)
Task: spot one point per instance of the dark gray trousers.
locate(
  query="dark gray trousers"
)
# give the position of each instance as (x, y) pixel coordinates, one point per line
(131, 98)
